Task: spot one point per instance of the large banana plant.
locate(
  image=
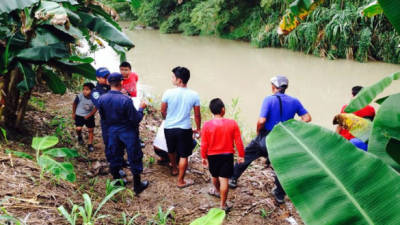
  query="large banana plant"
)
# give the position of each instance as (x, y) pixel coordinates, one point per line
(38, 43)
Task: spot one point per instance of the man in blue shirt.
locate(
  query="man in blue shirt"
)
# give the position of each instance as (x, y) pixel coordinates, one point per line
(176, 107)
(276, 108)
(122, 119)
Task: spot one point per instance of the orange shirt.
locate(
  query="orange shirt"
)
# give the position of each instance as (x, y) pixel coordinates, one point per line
(129, 84)
(367, 111)
(219, 136)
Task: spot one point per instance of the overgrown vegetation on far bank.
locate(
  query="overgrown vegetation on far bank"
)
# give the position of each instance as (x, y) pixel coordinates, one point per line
(335, 30)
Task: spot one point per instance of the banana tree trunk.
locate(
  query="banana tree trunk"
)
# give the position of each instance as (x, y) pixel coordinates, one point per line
(22, 108)
(11, 97)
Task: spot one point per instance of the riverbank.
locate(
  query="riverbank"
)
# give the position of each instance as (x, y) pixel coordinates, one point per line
(30, 197)
(336, 30)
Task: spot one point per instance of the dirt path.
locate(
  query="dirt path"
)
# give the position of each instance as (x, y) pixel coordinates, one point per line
(38, 198)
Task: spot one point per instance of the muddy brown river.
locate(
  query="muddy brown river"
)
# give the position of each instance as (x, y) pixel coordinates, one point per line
(231, 69)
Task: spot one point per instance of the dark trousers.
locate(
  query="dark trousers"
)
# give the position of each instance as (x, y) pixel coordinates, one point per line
(104, 134)
(120, 139)
(279, 190)
(256, 149)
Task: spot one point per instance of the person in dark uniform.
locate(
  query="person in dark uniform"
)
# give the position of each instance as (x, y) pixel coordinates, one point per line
(101, 88)
(122, 120)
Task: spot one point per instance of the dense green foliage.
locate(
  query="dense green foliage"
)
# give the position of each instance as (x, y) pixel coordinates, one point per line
(335, 30)
(39, 43)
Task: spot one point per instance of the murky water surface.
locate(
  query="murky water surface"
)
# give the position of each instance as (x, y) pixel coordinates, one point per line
(232, 69)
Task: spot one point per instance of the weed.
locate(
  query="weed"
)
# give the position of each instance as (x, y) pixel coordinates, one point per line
(37, 103)
(7, 218)
(265, 214)
(162, 217)
(4, 133)
(112, 185)
(124, 219)
(61, 132)
(86, 211)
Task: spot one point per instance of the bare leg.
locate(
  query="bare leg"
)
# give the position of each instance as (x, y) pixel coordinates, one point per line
(79, 131)
(224, 188)
(216, 183)
(183, 164)
(172, 160)
(90, 142)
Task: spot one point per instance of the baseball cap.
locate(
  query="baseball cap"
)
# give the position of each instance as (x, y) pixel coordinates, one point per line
(279, 81)
(114, 77)
(102, 72)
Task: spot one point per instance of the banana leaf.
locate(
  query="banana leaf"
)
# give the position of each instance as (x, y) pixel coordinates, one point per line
(105, 29)
(381, 100)
(54, 82)
(19, 154)
(84, 69)
(63, 170)
(214, 217)
(391, 9)
(42, 143)
(70, 34)
(372, 9)
(367, 94)
(29, 77)
(329, 180)
(72, 2)
(386, 126)
(8, 6)
(82, 59)
(43, 37)
(298, 11)
(44, 53)
(61, 152)
(98, 10)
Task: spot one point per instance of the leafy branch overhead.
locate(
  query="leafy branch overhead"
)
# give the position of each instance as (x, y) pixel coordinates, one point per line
(54, 31)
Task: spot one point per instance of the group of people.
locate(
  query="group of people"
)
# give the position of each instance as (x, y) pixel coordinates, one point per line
(175, 138)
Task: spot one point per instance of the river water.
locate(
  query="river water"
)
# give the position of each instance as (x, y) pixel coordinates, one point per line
(231, 69)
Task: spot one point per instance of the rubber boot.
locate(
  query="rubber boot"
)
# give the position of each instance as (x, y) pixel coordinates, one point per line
(138, 185)
(115, 172)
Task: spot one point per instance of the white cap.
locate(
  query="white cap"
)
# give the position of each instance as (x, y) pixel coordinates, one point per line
(279, 81)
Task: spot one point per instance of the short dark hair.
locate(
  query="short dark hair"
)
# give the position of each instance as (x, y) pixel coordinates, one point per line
(216, 106)
(182, 73)
(125, 64)
(115, 83)
(89, 85)
(355, 90)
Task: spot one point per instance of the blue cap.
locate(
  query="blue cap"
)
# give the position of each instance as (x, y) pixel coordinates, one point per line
(114, 77)
(102, 72)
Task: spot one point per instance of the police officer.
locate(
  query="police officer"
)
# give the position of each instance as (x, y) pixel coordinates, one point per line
(101, 88)
(122, 120)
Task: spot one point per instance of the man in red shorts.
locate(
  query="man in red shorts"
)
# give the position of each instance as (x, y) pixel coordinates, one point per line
(219, 136)
(368, 112)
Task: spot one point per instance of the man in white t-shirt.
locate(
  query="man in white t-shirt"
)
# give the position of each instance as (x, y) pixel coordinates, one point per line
(176, 106)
